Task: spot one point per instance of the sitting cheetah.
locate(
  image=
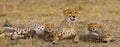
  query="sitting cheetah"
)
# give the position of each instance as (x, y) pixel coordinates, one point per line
(49, 32)
(68, 27)
(97, 33)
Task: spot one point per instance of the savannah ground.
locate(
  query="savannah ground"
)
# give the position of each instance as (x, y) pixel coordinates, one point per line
(23, 12)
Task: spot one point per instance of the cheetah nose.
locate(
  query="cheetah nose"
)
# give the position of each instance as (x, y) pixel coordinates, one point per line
(73, 16)
(40, 29)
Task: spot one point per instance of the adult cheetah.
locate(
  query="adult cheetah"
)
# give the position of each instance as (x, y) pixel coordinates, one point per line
(68, 27)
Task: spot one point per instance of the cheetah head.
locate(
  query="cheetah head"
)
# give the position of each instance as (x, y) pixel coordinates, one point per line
(49, 27)
(93, 27)
(70, 14)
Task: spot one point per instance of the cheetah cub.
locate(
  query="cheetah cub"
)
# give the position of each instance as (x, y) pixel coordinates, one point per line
(68, 27)
(98, 33)
(49, 32)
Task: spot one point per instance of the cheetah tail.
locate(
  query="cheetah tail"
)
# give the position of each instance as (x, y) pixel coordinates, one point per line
(8, 26)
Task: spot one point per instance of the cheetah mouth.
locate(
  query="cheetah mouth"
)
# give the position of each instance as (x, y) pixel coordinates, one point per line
(72, 19)
(48, 30)
(94, 30)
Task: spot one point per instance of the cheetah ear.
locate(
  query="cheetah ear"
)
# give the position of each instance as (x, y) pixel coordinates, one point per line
(75, 9)
(100, 26)
(62, 8)
(64, 11)
(89, 24)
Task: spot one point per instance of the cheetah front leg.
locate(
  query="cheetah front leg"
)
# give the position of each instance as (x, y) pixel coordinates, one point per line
(56, 39)
(46, 38)
(76, 38)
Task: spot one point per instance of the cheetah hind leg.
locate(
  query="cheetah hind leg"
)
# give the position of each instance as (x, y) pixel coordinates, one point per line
(106, 40)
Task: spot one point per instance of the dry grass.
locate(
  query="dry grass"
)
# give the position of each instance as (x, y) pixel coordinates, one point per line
(21, 12)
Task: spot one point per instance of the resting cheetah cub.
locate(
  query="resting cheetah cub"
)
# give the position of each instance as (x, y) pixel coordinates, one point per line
(49, 32)
(68, 27)
(96, 31)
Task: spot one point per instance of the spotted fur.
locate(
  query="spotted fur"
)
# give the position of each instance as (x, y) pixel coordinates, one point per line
(23, 32)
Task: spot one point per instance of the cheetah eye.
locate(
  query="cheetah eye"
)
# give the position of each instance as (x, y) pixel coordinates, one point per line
(109, 34)
(75, 12)
(47, 27)
(52, 26)
(70, 12)
(25, 30)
